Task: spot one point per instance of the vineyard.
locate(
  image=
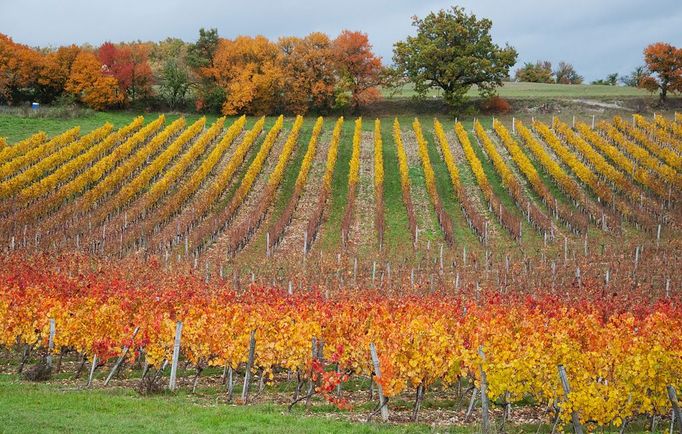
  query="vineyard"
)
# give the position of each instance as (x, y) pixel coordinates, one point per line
(504, 269)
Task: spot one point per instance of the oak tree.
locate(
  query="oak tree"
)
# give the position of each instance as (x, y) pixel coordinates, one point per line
(453, 51)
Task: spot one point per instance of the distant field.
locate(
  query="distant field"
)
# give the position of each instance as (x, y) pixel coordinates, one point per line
(540, 90)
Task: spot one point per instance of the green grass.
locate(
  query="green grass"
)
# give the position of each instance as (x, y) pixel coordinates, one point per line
(16, 128)
(397, 235)
(49, 408)
(463, 234)
(330, 236)
(536, 90)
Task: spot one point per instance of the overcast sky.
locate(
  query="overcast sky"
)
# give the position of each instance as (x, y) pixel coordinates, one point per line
(597, 36)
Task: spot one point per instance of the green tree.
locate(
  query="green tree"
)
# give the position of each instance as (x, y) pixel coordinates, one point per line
(200, 55)
(453, 51)
(175, 83)
(610, 80)
(635, 77)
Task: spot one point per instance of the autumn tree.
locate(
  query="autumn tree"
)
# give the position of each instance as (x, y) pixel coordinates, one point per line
(55, 69)
(168, 60)
(359, 69)
(19, 68)
(91, 85)
(129, 64)
(664, 62)
(248, 69)
(565, 73)
(538, 72)
(309, 67)
(453, 51)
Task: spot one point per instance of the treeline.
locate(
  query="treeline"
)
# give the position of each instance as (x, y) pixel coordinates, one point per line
(451, 51)
(542, 72)
(252, 75)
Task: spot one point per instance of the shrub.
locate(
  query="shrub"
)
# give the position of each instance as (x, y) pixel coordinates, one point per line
(495, 104)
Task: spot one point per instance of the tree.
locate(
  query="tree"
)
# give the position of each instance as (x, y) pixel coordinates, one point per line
(635, 76)
(128, 63)
(538, 72)
(566, 74)
(55, 69)
(664, 62)
(175, 83)
(359, 69)
(91, 85)
(200, 54)
(453, 51)
(19, 68)
(248, 70)
(610, 80)
(200, 57)
(309, 71)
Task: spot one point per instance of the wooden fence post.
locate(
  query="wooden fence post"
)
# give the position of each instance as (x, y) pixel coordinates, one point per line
(92, 369)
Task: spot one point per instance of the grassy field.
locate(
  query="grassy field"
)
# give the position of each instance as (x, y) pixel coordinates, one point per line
(50, 408)
(537, 90)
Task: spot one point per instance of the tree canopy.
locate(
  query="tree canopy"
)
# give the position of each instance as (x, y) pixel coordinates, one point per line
(664, 62)
(453, 51)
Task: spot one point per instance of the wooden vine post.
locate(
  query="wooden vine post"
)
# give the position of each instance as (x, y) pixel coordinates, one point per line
(176, 355)
(485, 416)
(577, 428)
(677, 414)
(249, 366)
(92, 369)
(122, 357)
(383, 403)
(50, 343)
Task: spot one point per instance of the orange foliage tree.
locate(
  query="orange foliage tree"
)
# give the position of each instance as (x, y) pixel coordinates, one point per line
(55, 69)
(19, 66)
(249, 70)
(359, 69)
(129, 64)
(91, 85)
(309, 72)
(664, 61)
